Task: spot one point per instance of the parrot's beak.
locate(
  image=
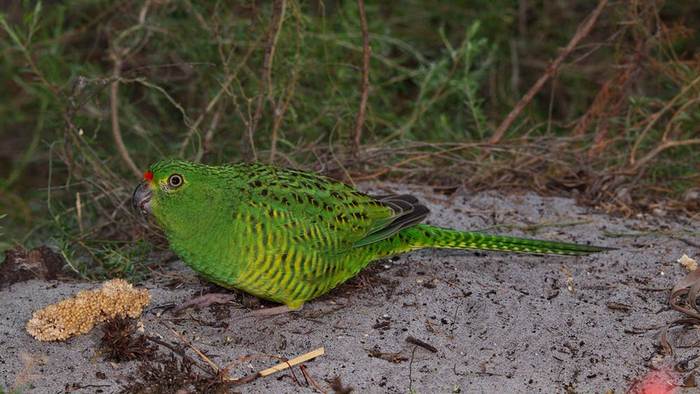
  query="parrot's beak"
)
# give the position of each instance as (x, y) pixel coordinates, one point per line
(141, 199)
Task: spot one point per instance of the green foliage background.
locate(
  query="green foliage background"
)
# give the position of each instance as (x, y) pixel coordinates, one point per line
(442, 77)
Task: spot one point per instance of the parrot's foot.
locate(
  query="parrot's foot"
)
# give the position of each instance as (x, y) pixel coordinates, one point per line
(276, 310)
(205, 300)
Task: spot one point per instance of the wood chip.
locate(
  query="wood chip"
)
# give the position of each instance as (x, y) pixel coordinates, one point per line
(296, 360)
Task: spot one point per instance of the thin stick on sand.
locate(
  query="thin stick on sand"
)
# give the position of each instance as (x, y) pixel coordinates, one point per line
(282, 366)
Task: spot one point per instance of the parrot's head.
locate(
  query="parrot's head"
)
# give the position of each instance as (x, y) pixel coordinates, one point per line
(179, 194)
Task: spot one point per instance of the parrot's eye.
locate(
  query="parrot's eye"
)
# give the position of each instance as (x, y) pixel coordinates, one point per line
(175, 180)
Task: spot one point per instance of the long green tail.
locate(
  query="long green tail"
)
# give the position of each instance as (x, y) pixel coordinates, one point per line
(426, 236)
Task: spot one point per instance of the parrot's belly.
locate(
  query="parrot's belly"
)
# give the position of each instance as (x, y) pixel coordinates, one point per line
(293, 281)
(285, 278)
(273, 268)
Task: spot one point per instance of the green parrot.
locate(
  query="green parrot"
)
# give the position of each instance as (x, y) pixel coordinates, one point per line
(290, 236)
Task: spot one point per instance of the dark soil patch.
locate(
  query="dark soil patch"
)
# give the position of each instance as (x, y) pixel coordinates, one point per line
(41, 263)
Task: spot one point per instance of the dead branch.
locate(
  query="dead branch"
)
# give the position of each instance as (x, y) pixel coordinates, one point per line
(581, 32)
(366, 50)
(212, 103)
(116, 55)
(280, 110)
(281, 106)
(609, 101)
(655, 118)
(209, 136)
(612, 96)
(421, 156)
(114, 115)
(265, 88)
(660, 148)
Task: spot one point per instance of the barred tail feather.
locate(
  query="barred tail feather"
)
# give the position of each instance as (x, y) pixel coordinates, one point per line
(425, 236)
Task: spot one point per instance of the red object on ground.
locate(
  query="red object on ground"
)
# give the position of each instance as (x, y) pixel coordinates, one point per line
(658, 381)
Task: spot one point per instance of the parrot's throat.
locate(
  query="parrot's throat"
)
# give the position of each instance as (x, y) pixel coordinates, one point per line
(205, 245)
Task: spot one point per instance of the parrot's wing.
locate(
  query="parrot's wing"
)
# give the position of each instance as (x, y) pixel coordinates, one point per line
(380, 219)
(324, 214)
(407, 211)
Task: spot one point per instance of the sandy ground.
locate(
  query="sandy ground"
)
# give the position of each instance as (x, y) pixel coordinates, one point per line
(499, 322)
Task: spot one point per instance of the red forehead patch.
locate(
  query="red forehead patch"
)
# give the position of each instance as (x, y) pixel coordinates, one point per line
(148, 175)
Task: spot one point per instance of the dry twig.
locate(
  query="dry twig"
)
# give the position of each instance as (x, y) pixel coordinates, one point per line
(583, 30)
(117, 55)
(296, 360)
(199, 353)
(309, 379)
(366, 50)
(265, 89)
(114, 116)
(281, 366)
(690, 288)
(280, 107)
(422, 344)
(664, 145)
(209, 136)
(683, 298)
(665, 142)
(212, 103)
